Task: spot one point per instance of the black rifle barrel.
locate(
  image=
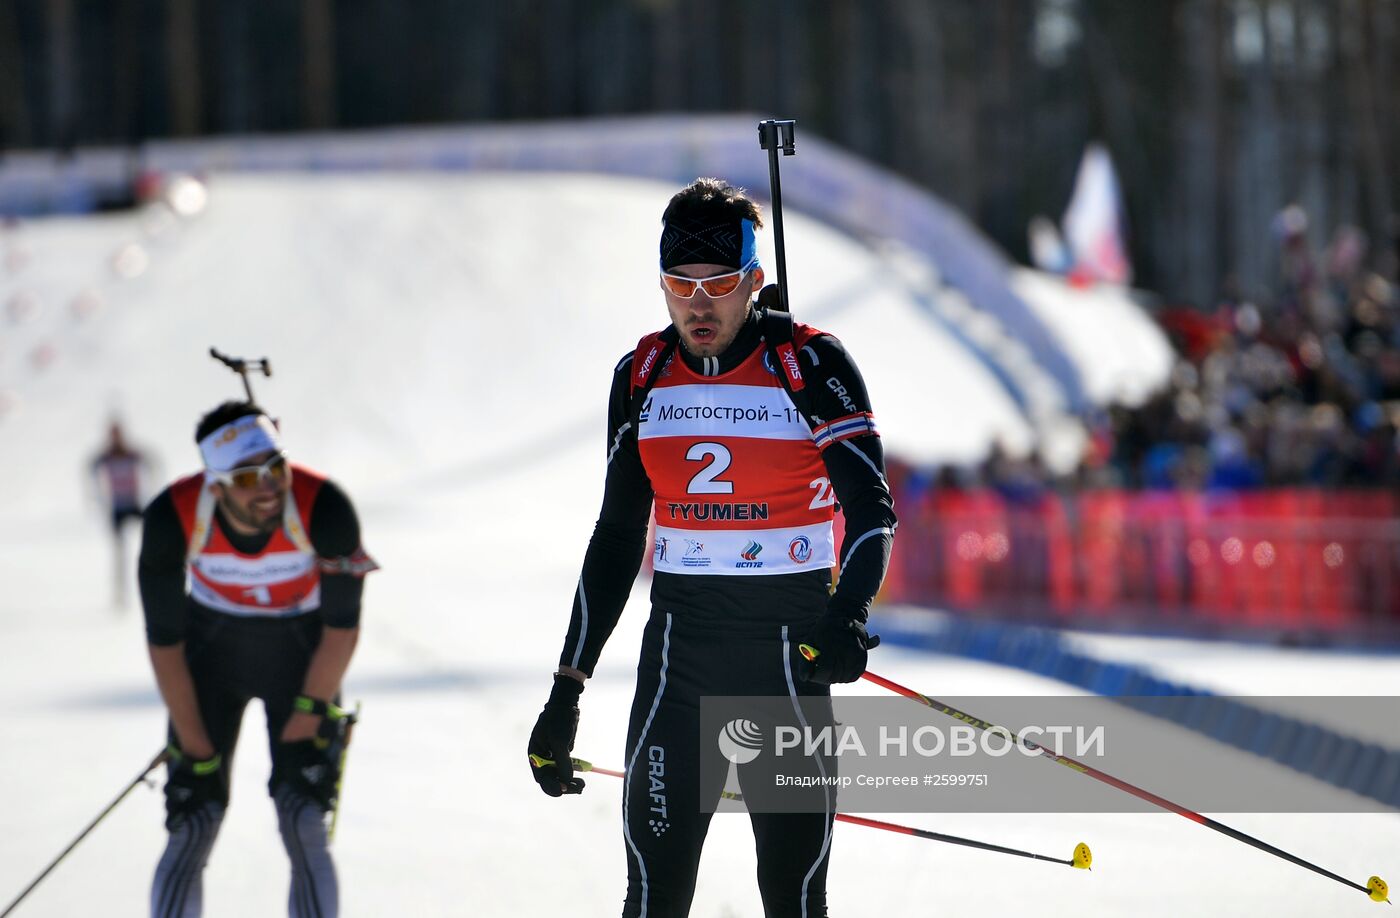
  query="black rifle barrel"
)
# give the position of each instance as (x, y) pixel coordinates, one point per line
(772, 136)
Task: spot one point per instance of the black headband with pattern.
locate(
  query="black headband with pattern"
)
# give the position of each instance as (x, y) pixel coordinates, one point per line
(691, 241)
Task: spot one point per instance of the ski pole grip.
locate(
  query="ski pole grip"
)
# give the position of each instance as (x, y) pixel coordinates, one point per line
(539, 761)
(305, 704)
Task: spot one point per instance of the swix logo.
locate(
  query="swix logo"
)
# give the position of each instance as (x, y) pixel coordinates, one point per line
(660, 819)
(645, 368)
(789, 358)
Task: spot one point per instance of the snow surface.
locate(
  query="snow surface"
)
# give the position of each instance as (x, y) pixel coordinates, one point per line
(416, 326)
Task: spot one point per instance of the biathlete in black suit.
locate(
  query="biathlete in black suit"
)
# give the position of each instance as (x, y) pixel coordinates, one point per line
(741, 431)
(275, 571)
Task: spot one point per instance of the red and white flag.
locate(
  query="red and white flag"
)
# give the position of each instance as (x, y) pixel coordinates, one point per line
(1093, 222)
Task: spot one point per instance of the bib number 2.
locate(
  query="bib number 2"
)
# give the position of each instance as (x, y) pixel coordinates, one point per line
(707, 481)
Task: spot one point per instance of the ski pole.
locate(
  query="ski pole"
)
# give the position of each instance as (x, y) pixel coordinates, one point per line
(1375, 887)
(351, 718)
(1081, 859)
(243, 367)
(155, 763)
(771, 136)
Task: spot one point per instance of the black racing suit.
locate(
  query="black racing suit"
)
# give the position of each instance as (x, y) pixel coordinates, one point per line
(724, 635)
(232, 660)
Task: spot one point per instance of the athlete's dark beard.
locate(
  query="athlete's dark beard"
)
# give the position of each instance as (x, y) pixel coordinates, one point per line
(262, 526)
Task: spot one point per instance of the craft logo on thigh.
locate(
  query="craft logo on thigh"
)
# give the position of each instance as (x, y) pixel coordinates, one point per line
(656, 771)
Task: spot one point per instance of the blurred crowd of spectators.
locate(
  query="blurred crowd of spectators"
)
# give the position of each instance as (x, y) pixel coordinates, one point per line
(1300, 390)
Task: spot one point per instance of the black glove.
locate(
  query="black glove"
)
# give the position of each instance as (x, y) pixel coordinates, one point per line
(838, 646)
(190, 784)
(307, 768)
(552, 739)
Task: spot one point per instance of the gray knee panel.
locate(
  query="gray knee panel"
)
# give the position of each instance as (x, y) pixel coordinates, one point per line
(314, 892)
(178, 889)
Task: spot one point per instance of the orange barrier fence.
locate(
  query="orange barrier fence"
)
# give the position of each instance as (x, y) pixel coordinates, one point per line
(1273, 559)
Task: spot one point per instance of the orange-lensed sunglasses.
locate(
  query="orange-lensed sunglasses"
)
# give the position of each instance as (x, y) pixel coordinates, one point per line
(716, 286)
(250, 476)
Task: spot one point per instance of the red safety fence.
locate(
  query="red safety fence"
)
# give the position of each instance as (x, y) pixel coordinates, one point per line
(1290, 559)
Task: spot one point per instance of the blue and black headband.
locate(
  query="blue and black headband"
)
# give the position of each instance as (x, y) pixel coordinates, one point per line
(705, 241)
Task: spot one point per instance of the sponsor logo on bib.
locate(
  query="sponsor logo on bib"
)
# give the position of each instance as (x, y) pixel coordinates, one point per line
(750, 555)
(695, 554)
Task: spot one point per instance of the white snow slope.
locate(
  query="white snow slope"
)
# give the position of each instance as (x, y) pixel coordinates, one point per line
(442, 346)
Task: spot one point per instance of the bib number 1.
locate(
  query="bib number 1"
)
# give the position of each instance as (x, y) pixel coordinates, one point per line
(259, 594)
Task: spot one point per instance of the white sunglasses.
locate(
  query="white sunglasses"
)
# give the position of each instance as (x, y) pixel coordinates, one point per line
(718, 285)
(250, 476)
